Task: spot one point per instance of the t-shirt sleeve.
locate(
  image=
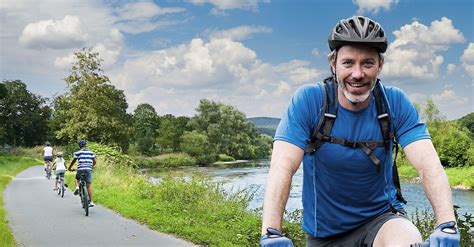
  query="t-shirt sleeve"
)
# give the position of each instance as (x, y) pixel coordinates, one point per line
(76, 155)
(298, 120)
(407, 122)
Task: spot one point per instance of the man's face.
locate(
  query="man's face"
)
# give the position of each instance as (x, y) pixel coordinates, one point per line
(356, 69)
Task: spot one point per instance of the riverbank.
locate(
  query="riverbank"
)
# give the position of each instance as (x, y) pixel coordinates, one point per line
(10, 165)
(459, 177)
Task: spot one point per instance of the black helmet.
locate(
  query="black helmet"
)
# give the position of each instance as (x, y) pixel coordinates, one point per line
(82, 143)
(358, 29)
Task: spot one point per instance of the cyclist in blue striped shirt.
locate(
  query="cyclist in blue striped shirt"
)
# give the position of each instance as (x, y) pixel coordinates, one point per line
(86, 162)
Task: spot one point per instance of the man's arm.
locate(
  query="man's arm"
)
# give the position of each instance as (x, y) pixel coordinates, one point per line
(72, 163)
(422, 155)
(286, 159)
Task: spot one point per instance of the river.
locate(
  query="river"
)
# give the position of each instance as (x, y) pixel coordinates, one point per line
(252, 176)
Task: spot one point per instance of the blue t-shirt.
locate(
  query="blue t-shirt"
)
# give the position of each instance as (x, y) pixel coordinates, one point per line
(85, 159)
(341, 187)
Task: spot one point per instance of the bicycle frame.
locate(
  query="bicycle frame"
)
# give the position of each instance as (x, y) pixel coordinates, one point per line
(84, 194)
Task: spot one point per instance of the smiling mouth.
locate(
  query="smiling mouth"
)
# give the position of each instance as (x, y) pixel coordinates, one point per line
(357, 85)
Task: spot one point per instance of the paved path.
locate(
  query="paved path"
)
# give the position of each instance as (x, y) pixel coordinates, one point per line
(39, 217)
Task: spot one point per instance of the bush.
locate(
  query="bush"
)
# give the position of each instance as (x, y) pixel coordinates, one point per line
(225, 158)
(166, 160)
(452, 142)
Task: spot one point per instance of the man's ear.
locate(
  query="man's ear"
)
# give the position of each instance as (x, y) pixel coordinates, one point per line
(381, 62)
(332, 63)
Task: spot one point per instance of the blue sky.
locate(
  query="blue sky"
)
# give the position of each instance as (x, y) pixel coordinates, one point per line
(252, 54)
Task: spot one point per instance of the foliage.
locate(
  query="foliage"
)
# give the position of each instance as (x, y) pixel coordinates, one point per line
(452, 143)
(194, 209)
(227, 131)
(145, 124)
(166, 160)
(225, 158)
(468, 122)
(425, 222)
(92, 108)
(23, 115)
(10, 165)
(170, 130)
(197, 145)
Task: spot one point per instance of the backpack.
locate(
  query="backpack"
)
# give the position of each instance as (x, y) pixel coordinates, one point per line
(322, 133)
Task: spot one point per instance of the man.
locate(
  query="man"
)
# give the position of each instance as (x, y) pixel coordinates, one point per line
(47, 157)
(86, 162)
(349, 195)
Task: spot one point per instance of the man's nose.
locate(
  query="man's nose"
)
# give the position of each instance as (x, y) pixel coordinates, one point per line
(357, 72)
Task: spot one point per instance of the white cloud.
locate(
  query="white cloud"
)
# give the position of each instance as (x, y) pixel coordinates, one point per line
(239, 33)
(220, 69)
(414, 52)
(315, 52)
(222, 5)
(144, 10)
(448, 95)
(450, 68)
(467, 60)
(61, 34)
(374, 5)
(140, 17)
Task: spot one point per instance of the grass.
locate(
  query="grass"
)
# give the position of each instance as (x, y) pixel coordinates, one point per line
(192, 209)
(458, 176)
(10, 165)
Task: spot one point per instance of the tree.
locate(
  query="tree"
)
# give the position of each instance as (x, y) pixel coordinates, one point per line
(145, 124)
(227, 130)
(23, 115)
(92, 108)
(431, 113)
(170, 130)
(451, 140)
(468, 122)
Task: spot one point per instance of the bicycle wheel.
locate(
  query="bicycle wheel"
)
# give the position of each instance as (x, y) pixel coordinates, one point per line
(85, 200)
(62, 188)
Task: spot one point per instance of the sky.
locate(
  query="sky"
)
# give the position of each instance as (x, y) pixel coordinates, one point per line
(251, 54)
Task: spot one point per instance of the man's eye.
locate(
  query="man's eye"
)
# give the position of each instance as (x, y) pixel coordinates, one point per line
(346, 62)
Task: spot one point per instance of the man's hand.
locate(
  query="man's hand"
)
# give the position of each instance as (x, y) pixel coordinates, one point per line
(445, 234)
(275, 238)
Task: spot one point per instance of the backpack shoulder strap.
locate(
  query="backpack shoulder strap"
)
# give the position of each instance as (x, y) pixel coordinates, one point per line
(327, 116)
(389, 134)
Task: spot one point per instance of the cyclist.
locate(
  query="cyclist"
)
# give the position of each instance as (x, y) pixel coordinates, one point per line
(47, 156)
(60, 168)
(86, 162)
(349, 197)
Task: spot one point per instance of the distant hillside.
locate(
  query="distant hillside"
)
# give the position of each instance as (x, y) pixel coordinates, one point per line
(468, 122)
(266, 125)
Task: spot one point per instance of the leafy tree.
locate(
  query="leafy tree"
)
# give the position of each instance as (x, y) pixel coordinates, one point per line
(468, 122)
(170, 130)
(145, 124)
(431, 113)
(92, 108)
(197, 145)
(227, 130)
(23, 115)
(451, 140)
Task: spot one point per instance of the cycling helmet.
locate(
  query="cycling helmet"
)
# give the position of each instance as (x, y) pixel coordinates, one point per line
(47, 144)
(82, 143)
(358, 29)
(59, 154)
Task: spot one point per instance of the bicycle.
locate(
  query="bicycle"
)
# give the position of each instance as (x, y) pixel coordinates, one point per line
(48, 171)
(62, 186)
(83, 194)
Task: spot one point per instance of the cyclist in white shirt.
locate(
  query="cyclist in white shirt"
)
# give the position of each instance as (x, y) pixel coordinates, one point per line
(60, 168)
(47, 155)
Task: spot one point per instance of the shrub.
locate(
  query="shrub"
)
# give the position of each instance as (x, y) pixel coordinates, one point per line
(166, 160)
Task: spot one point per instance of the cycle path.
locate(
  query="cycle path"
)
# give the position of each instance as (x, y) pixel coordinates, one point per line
(38, 216)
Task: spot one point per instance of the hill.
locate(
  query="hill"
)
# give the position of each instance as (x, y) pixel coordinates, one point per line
(266, 125)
